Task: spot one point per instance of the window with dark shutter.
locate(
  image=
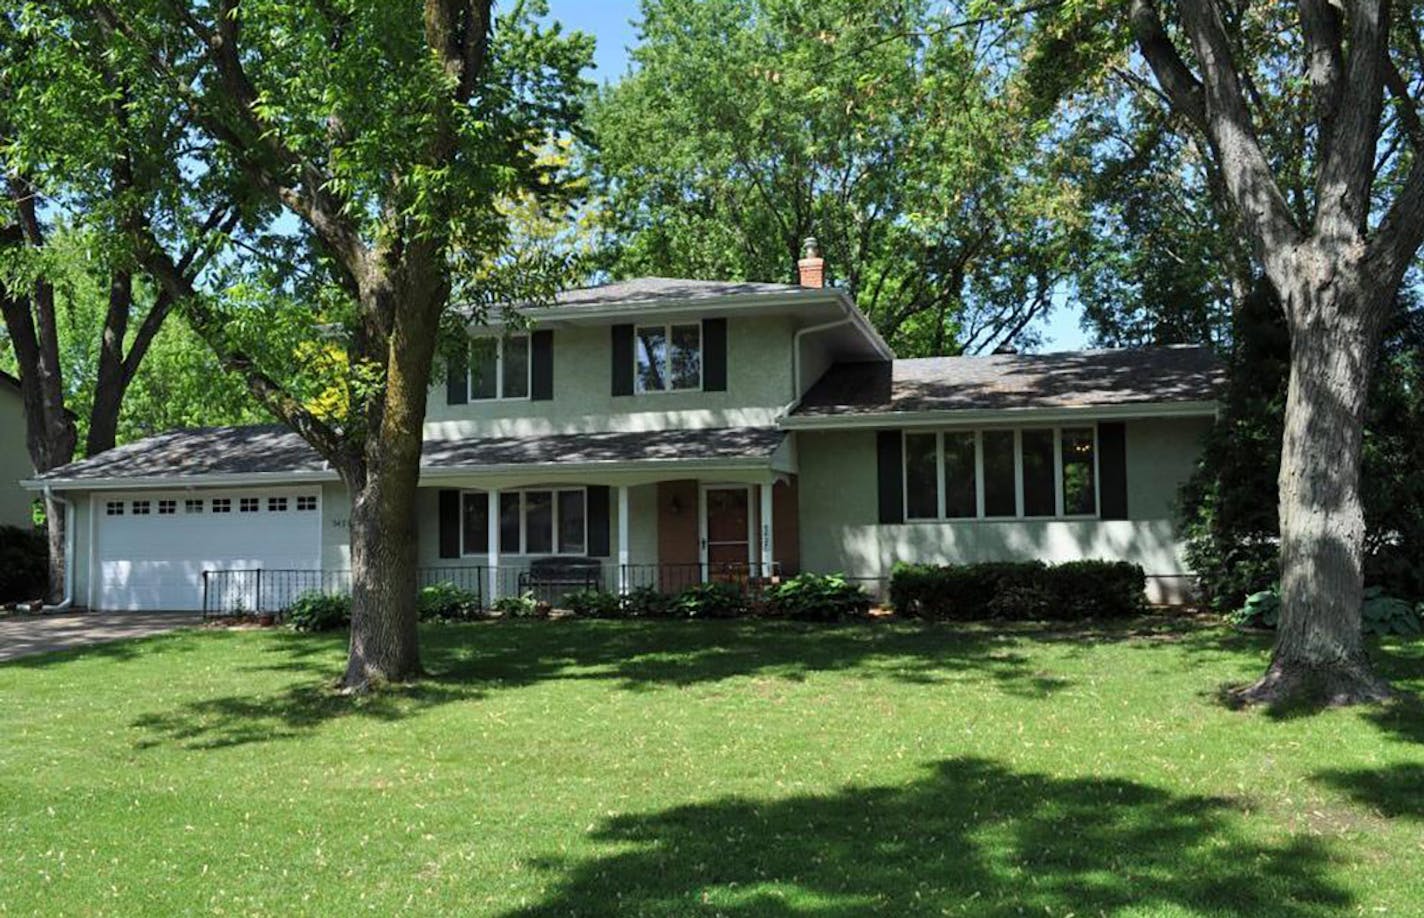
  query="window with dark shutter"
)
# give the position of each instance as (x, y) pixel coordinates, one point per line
(599, 542)
(449, 524)
(714, 355)
(890, 461)
(622, 351)
(457, 376)
(541, 357)
(1112, 470)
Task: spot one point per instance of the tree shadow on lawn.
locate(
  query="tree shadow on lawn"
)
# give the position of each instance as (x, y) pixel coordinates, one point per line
(971, 836)
(1392, 791)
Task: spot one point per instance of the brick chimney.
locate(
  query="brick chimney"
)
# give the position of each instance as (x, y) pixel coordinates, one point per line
(812, 266)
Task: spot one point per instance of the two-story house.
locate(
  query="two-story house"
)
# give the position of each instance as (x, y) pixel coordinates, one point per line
(681, 430)
(15, 501)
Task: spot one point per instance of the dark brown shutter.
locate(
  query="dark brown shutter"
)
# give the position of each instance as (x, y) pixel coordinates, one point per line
(457, 376)
(541, 366)
(889, 449)
(622, 360)
(1112, 470)
(449, 524)
(714, 355)
(598, 514)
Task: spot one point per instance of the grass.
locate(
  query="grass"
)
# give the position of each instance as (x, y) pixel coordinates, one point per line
(712, 768)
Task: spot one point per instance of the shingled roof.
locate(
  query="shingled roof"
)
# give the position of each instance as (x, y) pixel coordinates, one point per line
(274, 450)
(1080, 379)
(660, 290)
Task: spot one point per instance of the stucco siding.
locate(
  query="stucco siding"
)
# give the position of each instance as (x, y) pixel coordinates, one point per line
(14, 461)
(759, 387)
(841, 532)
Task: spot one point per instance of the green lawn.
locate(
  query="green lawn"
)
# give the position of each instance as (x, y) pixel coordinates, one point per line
(710, 768)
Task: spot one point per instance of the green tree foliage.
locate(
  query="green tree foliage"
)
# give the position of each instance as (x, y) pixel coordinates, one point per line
(899, 133)
(179, 383)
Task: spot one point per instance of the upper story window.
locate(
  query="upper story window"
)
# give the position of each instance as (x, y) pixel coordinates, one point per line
(667, 358)
(499, 368)
(1001, 474)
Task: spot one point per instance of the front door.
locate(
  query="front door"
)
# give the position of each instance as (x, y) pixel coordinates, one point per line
(726, 531)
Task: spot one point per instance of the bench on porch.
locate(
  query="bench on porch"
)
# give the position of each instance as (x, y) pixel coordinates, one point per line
(551, 579)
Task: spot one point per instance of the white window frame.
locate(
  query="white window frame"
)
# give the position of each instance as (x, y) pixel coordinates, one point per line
(1059, 496)
(667, 328)
(524, 523)
(499, 395)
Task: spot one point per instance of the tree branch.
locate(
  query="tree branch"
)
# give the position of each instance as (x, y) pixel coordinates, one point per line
(1180, 86)
(1349, 140)
(1265, 214)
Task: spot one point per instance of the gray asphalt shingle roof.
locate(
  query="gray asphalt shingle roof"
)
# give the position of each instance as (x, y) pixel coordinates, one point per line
(653, 290)
(1078, 379)
(272, 449)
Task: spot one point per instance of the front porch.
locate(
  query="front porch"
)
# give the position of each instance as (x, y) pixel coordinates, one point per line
(628, 531)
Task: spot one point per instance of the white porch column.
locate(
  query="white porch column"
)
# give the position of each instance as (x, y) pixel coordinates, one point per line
(622, 538)
(767, 554)
(492, 527)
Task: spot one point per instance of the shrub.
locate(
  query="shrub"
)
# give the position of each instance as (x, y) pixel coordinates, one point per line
(1385, 615)
(1018, 590)
(1261, 609)
(319, 612)
(526, 605)
(818, 597)
(447, 601)
(649, 602)
(24, 564)
(594, 604)
(1380, 615)
(711, 600)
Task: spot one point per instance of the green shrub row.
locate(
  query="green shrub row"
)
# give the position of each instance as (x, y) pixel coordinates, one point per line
(1019, 591)
(1380, 615)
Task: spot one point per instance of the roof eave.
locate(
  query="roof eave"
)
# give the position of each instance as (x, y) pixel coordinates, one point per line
(1033, 414)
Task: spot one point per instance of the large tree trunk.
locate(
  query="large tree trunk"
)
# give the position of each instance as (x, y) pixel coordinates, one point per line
(1319, 654)
(384, 635)
(384, 643)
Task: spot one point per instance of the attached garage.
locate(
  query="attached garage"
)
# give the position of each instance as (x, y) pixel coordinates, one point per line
(151, 548)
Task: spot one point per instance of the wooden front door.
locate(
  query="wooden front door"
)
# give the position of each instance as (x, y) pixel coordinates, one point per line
(726, 531)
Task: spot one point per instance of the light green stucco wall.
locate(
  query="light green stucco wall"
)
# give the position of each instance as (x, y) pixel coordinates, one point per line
(14, 461)
(839, 513)
(759, 387)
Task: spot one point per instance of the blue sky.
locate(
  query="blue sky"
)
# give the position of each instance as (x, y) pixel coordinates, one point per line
(611, 23)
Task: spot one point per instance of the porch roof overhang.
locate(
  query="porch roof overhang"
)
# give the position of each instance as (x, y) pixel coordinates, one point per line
(270, 455)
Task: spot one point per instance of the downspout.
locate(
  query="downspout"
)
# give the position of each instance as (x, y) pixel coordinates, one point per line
(796, 353)
(68, 600)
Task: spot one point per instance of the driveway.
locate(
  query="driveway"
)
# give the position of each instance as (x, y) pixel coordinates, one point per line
(22, 635)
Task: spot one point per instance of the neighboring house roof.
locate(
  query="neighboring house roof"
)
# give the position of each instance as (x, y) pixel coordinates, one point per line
(218, 452)
(1080, 379)
(657, 290)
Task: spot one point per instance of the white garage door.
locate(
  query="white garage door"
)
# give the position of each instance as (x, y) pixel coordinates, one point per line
(152, 548)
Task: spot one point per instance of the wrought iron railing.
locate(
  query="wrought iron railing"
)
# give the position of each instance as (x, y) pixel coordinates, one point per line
(228, 592)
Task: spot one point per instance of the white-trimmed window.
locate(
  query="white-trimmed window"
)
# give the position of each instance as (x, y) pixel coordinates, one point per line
(249, 505)
(306, 504)
(140, 508)
(193, 505)
(276, 505)
(499, 368)
(537, 521)
(167, 507)
(114, 508)
(667, 358)
(222, 505)
(1028, 473)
